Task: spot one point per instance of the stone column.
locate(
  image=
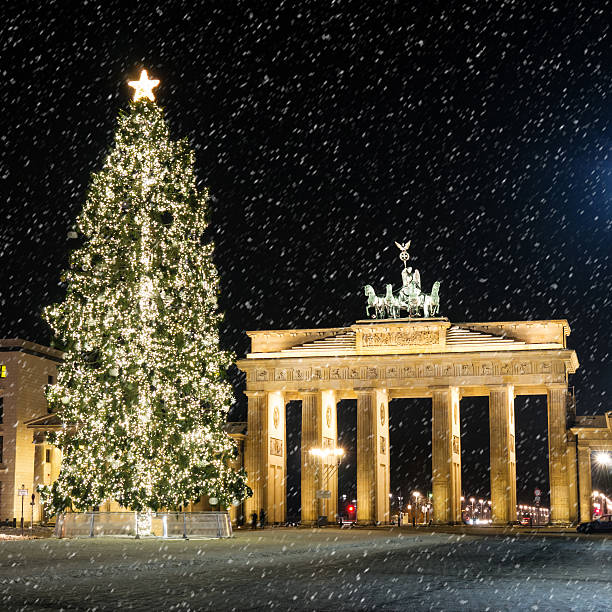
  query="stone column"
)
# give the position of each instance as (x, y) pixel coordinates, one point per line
(256, 451)
(446, 455)
(557, 454)
(372, 456)
(276, 446)
(366, 457)
(265, 452)
(586, 487)
(383, 458)
(311, 465)
(329, 432)
(503, 454)
(572, 478)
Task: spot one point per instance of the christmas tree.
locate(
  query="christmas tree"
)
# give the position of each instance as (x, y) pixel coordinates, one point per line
(141, 391)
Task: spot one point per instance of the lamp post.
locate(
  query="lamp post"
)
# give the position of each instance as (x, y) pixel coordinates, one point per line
(472, 500)
(325, 470)
(416, 496)
(400, 502)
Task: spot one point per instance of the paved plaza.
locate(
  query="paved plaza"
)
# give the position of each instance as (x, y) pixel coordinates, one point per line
(302, 569)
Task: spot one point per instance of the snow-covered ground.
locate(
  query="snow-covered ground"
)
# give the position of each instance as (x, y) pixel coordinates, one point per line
(329, 569)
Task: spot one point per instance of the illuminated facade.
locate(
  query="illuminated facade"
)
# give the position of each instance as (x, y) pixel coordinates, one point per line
(375, 361)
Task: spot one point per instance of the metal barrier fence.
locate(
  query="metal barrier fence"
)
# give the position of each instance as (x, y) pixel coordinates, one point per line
(161, 525)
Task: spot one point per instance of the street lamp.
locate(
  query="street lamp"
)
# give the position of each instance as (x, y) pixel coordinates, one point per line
(481, 501)
(327, 469)
(472, 500)
(603, 459)
(416, 496)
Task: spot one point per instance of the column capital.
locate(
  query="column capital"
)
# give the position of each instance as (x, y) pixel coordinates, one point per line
(504, 387)
(364, 390)
(556, 387)
(255, 393)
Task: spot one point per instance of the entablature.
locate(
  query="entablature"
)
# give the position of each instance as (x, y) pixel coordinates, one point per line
(477, 371)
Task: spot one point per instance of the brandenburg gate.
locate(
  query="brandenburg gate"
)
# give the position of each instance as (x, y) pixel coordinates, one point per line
(419, 356)
(377, 360)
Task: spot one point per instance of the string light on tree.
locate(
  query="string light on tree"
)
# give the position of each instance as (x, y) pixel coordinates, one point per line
(141, 389)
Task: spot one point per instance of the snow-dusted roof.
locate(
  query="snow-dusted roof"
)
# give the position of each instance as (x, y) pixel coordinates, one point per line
(458, 339)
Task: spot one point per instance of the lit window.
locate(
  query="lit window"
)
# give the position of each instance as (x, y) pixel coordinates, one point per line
(2, 371)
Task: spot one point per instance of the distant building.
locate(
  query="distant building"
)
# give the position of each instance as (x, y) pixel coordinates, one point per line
(27, 459)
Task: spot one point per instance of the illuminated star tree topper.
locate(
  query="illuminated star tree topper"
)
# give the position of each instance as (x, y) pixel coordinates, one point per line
(143, 88)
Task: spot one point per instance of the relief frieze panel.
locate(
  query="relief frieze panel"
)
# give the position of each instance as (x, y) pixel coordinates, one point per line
(447, 369)
(522, 367)
(261, 374)
(404, 337)
(420, 369)
(486, 369)
(337, 373)
(276, 447)
(391, 372)
(409, 371)
(301, 374)
(467, 369)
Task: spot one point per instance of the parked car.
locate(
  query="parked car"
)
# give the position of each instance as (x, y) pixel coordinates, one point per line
(602, 523)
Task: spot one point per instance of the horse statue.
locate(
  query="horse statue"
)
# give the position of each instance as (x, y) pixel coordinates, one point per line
(393, 304)
(379, 303)
(431, 304)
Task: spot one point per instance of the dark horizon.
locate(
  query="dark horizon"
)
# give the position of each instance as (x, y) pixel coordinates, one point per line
(326, 133)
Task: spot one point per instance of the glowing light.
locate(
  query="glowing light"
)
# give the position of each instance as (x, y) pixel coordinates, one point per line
(603, 458)
(143, 88)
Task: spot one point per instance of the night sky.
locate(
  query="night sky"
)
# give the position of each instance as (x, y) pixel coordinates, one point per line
(326, 131)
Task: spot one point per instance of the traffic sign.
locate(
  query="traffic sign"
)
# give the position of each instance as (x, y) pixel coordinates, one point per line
(23, 492)
(537, 492)
(323, 494)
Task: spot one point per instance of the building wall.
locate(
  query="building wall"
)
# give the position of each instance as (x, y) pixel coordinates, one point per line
(23, 398)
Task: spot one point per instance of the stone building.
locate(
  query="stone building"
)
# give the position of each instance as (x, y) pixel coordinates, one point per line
(26, 369)
(375, 361)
